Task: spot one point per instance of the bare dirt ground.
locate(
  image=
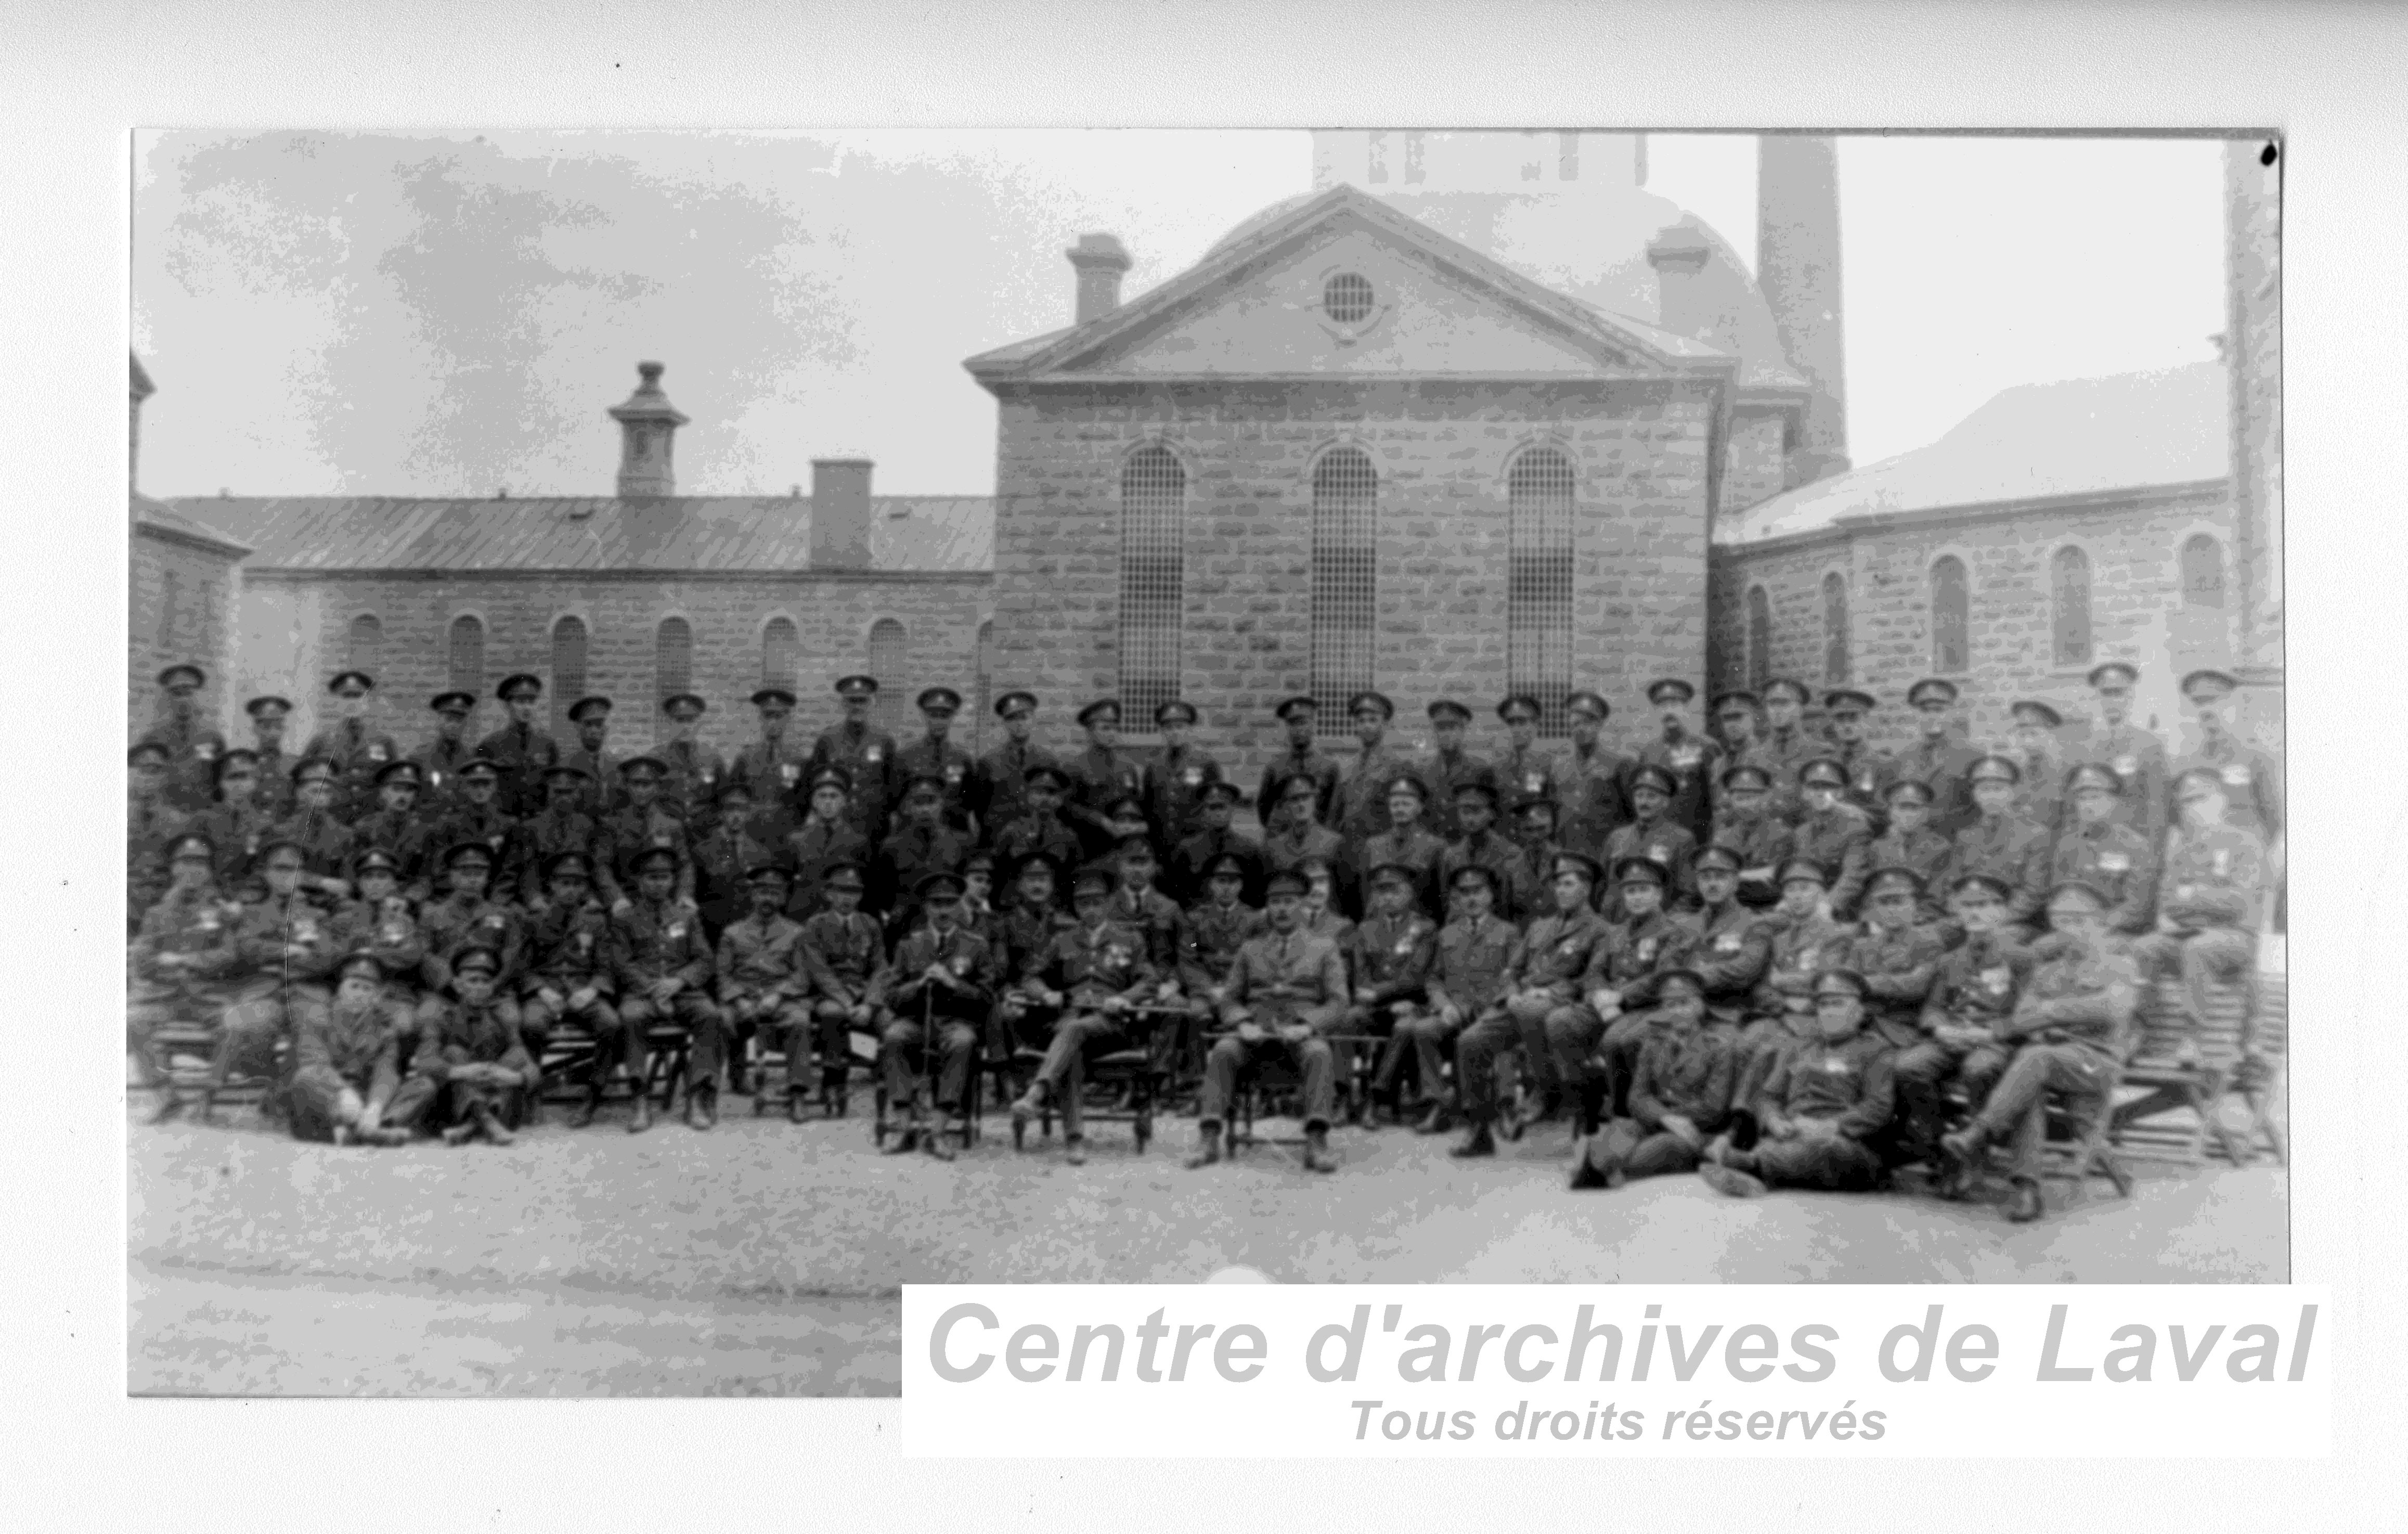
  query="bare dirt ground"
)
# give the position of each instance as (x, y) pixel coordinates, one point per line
(768, 1258)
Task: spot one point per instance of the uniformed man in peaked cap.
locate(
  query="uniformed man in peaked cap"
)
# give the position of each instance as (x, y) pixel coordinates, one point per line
(520, 750)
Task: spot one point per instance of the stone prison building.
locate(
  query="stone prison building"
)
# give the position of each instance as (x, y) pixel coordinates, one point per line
(1480, 414)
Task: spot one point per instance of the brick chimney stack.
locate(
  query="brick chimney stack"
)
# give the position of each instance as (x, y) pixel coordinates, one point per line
(1798, 267)
(841, 513)
(1101, 262)
(647, 424)
(139, 389)
(1679, 253)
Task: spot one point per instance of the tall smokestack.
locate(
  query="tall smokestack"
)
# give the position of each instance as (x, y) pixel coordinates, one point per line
(1798, 267)
(1101, 262)
(647, 424)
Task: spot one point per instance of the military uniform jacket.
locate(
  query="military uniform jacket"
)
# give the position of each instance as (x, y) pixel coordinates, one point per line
(1943, 770)
(721, 860)
(810, 852)
(1733, 949)
(869, 753)
(276, 791)
(2114, 858)
(1473, 961)
(2139, 758)
(1024, 935)
(603, 794)
(1801, 947)
(1783, 801)
(500, 833)
(1521, 774)
(1174, 782)
(1285, 849)
(842, 952)
(1319, 767)
(1360, 810)
(193, 752)
(1850, 1082)
(522, 752)
(1926, 852)
(1786, 753)
(1442, 775)
(1899, 965)
(569, 949)
(560, 828)
(2009, 849)
(691, 786)
(358, 754)
(2040, 798)
(999, 792)
(1870, 774)
(1763, 843)
(1557, 952)
(354, 1046)
(2213, 878)
(630, 832)
(1210, 937)
(1634, 952)
(464, 1035)
(439, 762)
(404, 834)
(1417, 849)
(1089, 966)
(451, 923)
(235, 830)
(964, 955)
(765, 959)
(661, 943)
(909, 855)
(1690, 1071)
(1666, 840)
(1838, 839)
(1155, 917)
(325, 843)
(149, 828)
(775, 773)
(2253, 783)
(1976, 983)
(266, 968)
(950, 765)
(389, 932)
(1516, 889)
(1031, 833)
(1097, 776)
(201, 926)
(1282, 978)
(1593, 802)
(1695, 763)
(1394, 956)
(2076, 994)
(1183, 875)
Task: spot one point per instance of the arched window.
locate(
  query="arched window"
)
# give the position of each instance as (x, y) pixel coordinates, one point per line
(2069, 587)
(468, 665)
(890, 661)
(985, 673)
(366, 645)
(2202, 573)
(1949, 649)
(1538, 583)
(1760, 638)
(673, 657)
(1835, 627)
(1345, 580)
(568, 671)
(1153, 499)
(781, 653)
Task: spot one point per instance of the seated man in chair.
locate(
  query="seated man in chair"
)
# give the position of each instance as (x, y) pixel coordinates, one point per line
(1096, 973)
(2071, 1022)
(942, 981)
(1395, 946)
(2208, 903)
(1286, 991)
(1469, 977)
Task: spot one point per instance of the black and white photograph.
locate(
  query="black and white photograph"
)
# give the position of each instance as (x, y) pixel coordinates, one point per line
(719, 722)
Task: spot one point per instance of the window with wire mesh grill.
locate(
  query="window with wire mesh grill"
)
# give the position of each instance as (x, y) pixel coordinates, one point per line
(366, 648)
(467, 662)
(1538, 583)
(2202, 573)
(1345, 580)
(985, 686)
(1154, 507)
(672, 658)
(1347, 297)
(567, 672)
(1760, 638)
(1950, 648)
(1835, 627)
(889, 662)
(2068, 584)
(781, 653)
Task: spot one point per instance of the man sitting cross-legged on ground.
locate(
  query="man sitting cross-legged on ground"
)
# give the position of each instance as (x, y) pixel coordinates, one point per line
(1096, 971)
(347, 1081)
(471, 1052)
(1469, 977)
(2071, 1022)
(1819, 1116)
(942, 979)
(1286, 991)
(1680, 1098)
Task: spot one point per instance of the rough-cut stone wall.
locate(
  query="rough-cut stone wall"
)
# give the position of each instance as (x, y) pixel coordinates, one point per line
(195, 628)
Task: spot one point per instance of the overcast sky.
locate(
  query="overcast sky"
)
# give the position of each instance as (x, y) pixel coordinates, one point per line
(448, 314)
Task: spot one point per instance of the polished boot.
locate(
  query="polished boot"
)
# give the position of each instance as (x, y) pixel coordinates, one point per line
(1483, 1142)
(2024, 1202)
(795, 1105)
(1438, 1120)
(489, 1125)
(1207, 1143)
(644, 1119)
(584, 1117)
(1317, 1154)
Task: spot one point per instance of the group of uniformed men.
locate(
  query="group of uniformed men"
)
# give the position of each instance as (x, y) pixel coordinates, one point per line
(1766, 957)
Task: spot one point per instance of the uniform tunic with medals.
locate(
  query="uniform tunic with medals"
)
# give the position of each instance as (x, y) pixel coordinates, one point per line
(1281, 979)
(1847, 1085)
(1925, 852)
(999, 792)
(950, 765)
(2116, 860)
(1415, 849)
(1974, 986)
(1312, 763)
(602, 794)
(1545, 1015)
(439, 762)
(386, 929)
(691, 786)
(629, 834)
(2208, 911)
(1098, 777)
(1442, 775)
(562, 827)
(1695, 763)
(1838, 839)
(521, 753)
(1733, 948)
(1782, 1007)
(1870, 774)
(1690, 1072)
(957, 1011)
(193, 751)
(1392, 959)
(1897, 964)
(199, 926)
(1633, 954)
(2253, 783)
(665, 941)
(2073, 1023)
(1469, 973)
(1184, 878)
(810, 852)
(325, 843)
(867, 754)
(1516, 889)
(2138, 758)
(1943, 768)
(1665, 840)
(2011, 850)
(1174, 786)
(774, 774)
(358, 754)
(236, 830)
(1594, 803)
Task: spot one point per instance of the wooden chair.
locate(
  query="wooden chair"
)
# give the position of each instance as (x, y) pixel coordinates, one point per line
(1273, 1084)
(908, 1113)
(2078, 1147)
(2169, 1107)
(1133, 1080)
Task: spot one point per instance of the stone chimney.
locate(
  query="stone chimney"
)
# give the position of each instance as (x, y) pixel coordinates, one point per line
(1679, 253)
(647, 424)
(841, 513)
(1798, 267)
(1101, 264)
(139, 389)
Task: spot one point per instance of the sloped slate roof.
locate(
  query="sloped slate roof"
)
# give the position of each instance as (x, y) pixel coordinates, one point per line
(766, 534)
(158, 516)
(2036, 441)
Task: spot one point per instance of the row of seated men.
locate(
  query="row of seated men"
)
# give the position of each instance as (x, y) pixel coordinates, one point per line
(566, 955)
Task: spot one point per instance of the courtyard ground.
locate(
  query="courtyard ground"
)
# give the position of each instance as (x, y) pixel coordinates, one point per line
(768, 1258)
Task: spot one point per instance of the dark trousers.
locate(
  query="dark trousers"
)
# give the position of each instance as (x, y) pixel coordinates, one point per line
(900, 1053)
(317, 1095)
(1425, 1039)
(1923, 1074)
(1835, 1164)
(690, 1010)
(1643, 1154)
(1312, 1059)
(252, 1027)
(1624, 1039)
(2018, 1105)
(613, 1040)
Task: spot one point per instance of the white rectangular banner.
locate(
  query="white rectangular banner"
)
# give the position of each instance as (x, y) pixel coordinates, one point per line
(1193, 1371)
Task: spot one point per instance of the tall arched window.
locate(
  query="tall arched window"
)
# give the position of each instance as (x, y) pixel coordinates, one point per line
(1760, 638)
(366, 649)
(1153, 500)
(1345, 580)
(781, 653)
(890, 663)
(568, 671)
(2069, 588)
(2202, 573)
(1835, 627)
(672, 658)
(1950, 651)
(466, 671)
(984, 671)
(1538, 583)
